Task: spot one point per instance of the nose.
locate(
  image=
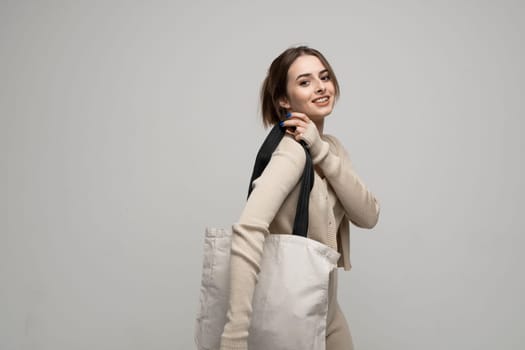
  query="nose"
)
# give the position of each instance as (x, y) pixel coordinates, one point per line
(320, 88)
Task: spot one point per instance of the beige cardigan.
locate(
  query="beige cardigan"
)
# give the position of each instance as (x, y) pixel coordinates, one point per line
(271, 208)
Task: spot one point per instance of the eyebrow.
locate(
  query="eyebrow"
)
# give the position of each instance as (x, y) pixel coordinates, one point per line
(309, 74)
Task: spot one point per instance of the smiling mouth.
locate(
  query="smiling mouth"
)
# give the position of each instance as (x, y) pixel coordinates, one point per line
(321, 99)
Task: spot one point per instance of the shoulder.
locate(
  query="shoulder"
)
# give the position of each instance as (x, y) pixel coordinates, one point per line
(290, 148)
(284, 168)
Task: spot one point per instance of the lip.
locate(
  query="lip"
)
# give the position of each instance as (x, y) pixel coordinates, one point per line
(322, 103)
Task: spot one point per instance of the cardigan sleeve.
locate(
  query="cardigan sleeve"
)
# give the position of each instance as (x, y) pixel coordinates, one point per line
(280, 176)
(360, 205)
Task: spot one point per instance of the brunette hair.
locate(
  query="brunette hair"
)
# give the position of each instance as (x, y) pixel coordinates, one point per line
(274, 85)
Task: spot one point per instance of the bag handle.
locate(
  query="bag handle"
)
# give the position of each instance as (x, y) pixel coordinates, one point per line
(264, 155)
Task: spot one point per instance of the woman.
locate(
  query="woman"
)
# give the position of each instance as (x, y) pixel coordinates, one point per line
(299, 92)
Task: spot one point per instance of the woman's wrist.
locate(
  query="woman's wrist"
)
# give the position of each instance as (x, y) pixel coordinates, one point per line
(317, 146)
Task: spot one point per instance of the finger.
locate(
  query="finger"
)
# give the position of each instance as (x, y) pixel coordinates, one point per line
(292, 123)
(296, 122)
(297, 115)
(303, 126)
(300, 131)
(301, 116)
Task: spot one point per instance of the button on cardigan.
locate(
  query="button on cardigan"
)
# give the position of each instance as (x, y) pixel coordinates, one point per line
(270, 209)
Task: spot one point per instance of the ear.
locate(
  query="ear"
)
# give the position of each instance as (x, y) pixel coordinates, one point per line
(283, 102)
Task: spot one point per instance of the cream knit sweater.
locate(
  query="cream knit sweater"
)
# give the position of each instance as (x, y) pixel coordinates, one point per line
(271, 209)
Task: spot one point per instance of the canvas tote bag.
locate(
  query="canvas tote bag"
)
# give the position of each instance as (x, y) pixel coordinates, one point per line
(290, 302)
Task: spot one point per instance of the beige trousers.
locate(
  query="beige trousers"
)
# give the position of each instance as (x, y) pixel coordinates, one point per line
(338, 335)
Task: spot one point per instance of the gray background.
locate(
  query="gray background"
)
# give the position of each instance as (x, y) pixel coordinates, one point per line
(128, 127)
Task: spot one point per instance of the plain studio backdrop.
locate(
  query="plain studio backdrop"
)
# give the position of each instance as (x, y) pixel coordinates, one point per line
(128, 127)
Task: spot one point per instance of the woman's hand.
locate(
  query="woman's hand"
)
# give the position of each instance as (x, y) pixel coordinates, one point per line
(304, 129)
(301, 127)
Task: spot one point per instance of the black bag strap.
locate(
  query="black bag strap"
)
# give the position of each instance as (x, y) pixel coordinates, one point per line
(264, 155)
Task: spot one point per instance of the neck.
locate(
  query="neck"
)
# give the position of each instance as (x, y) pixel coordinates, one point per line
(320, 125)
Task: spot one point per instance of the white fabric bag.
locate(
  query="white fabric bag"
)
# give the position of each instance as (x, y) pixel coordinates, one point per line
(290, 302)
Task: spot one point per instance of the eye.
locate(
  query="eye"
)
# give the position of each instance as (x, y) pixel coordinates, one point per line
(326, 77)
(304, 83)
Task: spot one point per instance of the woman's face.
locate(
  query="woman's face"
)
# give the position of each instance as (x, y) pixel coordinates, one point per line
(310, 89)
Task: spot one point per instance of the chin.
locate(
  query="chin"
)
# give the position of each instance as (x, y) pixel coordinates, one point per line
(321, 115)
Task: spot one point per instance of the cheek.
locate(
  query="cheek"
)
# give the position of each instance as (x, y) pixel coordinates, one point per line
(300, 97)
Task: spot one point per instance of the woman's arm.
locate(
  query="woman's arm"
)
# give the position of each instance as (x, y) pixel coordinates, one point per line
(281, 175)
(361, 207)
